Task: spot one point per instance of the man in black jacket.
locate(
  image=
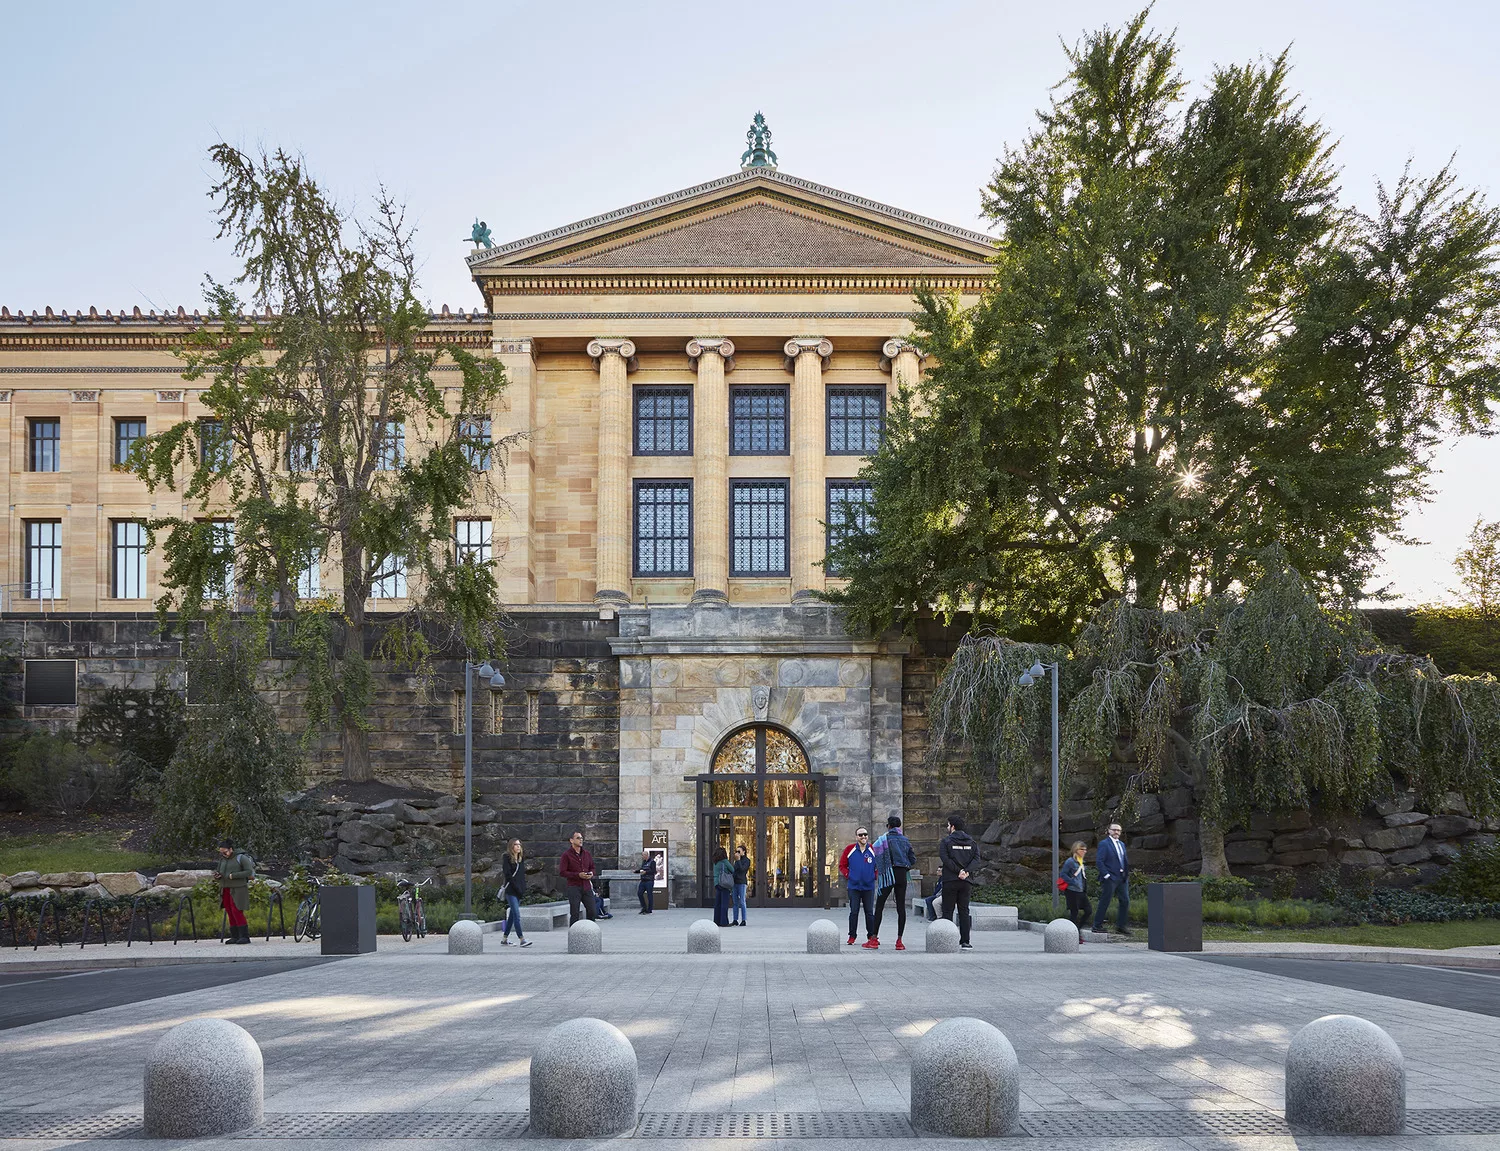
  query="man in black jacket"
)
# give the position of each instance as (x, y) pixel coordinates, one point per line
(958, 853)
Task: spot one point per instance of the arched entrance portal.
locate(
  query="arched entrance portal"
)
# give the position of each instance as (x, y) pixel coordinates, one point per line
(761, 793)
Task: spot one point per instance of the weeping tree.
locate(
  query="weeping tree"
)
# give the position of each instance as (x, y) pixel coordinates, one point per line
(336, 460)
(1267, 701)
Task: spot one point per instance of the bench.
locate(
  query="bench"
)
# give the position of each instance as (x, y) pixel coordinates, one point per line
(538, 917)
(982, 916)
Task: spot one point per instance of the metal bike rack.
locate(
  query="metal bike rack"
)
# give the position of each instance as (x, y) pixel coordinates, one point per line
(93, 905)
(185, 901)
(139, 905)
(275, 901)
(41, 924)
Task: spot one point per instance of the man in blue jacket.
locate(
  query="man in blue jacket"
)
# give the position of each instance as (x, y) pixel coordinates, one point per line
(1114, 880)
(859, 870)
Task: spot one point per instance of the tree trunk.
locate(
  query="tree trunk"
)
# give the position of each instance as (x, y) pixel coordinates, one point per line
(355, 741)
(1211, 838)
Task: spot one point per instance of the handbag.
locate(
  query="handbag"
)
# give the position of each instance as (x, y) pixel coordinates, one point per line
(1062, 884)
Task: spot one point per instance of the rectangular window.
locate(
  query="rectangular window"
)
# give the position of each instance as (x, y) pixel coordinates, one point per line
(849, 511)
(302, 450)
(43, 559)
(223, 543)
(476, 434)
(758, 421)
(472, 540)
(390, 445)
(126, 434)
(50, 682)
(856, 419)
(663, 421)
(44, 445)
(758, 523)
(663, 528)
(128, 559)
(389, 581)
(214, 447)
(310, 578)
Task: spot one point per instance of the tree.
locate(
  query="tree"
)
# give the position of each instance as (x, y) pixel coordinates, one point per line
(145, 724)
(1190, 350)
(1478, 568)
(307, 461)
(1465, 637)
(1268, 700)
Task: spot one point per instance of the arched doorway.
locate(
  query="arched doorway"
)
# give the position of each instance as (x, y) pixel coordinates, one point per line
(761, 793)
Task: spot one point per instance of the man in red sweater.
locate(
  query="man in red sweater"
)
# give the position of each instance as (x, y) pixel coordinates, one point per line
(577, 870)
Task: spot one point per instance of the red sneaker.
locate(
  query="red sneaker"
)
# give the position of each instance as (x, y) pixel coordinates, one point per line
(851, 942)
(871, 944)
(899, 945)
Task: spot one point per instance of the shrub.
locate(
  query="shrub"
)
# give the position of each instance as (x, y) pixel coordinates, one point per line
(1283, 885)
(54, 773)
(1475, 874)
(145, 724)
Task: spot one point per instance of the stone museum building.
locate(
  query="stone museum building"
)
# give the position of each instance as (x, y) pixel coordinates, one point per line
(700, 377)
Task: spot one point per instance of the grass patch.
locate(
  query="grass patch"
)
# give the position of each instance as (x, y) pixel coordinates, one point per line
(1434, 936)
(74, 851)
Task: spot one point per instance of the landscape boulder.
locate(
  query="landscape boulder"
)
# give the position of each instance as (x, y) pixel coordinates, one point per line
(122, 884)
(182, 878)
(67, 879)
(33, 893)
(1405, 818)
(1395, 838)
(1449, 826)
(25, 879)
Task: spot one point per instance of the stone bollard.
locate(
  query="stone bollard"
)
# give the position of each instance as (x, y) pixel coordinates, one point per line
(1060, 937)
(585, 938)
(465, 937)
(204, 1077)
(703, 937)
(1345, 1076)
(583, 1077)
(822, 937)
(965, 1080)
(942, 937)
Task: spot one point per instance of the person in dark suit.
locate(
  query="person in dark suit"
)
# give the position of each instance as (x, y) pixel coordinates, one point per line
(1114, 880)
(645, 891)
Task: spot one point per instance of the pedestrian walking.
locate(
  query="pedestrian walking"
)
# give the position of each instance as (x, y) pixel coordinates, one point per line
(512, 888)
(741, 883)
(645, 891)
(577, 870)
(236, 870)
(894, 859)
(958, 853)
(1075, 883)
(723, 886)
(1114, 880)
(859, 871)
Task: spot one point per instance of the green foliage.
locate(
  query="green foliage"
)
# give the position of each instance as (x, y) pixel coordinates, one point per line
(1460, 640)
(1474, 875)
(1283, 884)
(145, 724)
(55, 773)
(1189, 350)
(233, 771)
(1478, 570)
(1395, 905)
(301, 461)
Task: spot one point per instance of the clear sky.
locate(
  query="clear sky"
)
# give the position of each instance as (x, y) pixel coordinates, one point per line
(535, 115)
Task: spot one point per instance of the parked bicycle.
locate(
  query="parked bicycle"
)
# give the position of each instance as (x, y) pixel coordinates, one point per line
(409, 908)
(309, 914)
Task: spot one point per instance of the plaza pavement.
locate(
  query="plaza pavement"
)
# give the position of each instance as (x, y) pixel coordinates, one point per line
(1113, 1032)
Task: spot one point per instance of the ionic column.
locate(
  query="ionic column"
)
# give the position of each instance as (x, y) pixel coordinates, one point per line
(904, 363)
(715, 357)
(805, 358)
(614, 359)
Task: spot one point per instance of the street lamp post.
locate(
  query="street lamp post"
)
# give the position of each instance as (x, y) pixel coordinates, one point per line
(1029, 677)
(496, 681)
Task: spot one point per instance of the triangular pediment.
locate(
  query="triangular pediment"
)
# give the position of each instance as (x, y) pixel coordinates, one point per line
(755, 219)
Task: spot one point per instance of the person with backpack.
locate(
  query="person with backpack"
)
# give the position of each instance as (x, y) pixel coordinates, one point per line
(859, 872)
(723, 876)
(958, 853)
(236, 870)
(894, 859)
(512, 888)
(741, 884)
(1074, 881)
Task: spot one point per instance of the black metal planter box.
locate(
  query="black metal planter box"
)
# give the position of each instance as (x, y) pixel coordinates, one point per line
(348, 920)
(1174, 916)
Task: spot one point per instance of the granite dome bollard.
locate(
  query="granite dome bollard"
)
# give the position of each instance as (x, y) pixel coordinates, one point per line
(465, 937)
(965, 1080)
(1345, 1076)
(204, 1077)
(585, 938)
(703, 938)
(822, 937)
(942, 937)
(583, 1079)
(1060, 937)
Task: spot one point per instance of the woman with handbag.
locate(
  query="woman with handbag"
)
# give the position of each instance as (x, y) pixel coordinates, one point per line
(1073, 881)
(723, 886)
(513, 868)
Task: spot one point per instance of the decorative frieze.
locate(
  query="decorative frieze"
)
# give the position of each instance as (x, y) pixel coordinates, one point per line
(86, 397)
(173, 396)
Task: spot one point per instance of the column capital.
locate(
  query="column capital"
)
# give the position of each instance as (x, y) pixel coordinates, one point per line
(602, 346)
(721, 344)
(797, 345)
(894, 347)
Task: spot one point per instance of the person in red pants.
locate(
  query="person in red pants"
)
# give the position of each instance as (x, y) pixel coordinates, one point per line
(236, 870)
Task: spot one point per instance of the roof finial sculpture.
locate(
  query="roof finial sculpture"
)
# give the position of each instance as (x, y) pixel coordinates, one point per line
(759, 154)
(479, 235)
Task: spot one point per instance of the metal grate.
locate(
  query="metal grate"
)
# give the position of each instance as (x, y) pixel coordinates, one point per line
(1160, 1124)
(29, 1125)
(390, 1125)
(1454, 1121)
(774, 1125)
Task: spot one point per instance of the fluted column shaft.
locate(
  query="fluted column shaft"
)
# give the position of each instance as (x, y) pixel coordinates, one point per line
(805, 356)
(905, 365)
(612, 535)
(711, 474)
